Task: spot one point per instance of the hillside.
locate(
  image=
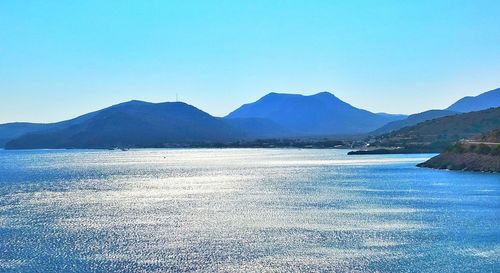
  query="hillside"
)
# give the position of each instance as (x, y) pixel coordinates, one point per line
(470, 161)
(451, 128)
(492, 136)
(132, 124)
(437, 134)
(481, 153)
(274, 116)
(483, 101)
(258, 127)
(319, 114)
(10, 131)
(412, 120)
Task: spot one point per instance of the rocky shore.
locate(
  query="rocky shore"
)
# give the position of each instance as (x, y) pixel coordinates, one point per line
(464, 161)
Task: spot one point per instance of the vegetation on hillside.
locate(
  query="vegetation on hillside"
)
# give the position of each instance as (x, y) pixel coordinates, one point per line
(481, 148)
(493, 136)
(468, 161)
(438, 134)
(479, 154)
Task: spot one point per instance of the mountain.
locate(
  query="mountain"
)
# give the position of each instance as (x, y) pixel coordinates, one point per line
(392, 116)
(10, 131)
(258, 127)
(412, 120)
(483, 101)
(452, 128)
(437, 134)
(131, 124)
(321, 114)
(13, 130)
(143, 124)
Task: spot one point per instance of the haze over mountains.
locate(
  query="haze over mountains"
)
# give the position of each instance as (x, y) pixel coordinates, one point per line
(143, 124)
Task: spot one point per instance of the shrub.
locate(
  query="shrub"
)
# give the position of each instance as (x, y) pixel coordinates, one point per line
(482, 149)
(496, 151)
(472, 148)
(457, 148)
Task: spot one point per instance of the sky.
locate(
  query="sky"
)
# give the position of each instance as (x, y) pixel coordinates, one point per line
(61, 59)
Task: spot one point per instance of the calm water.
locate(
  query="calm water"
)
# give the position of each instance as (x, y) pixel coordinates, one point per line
(248, 210)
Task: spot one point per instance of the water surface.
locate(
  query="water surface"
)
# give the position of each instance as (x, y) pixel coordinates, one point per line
(243, 210)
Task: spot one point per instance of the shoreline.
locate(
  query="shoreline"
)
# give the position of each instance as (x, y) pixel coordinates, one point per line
(463, 162)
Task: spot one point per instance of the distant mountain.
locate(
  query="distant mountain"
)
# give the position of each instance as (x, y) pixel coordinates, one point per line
(392, 116)
(451, 128)
(321, 114)
(412, 120)
(258, 127)
(467, 104)
(483, 101)
(131, 124)
(14, 130)
(10, 131)
(143, 124)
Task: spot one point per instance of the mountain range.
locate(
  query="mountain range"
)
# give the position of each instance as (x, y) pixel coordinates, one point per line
(412, 120)
(169, 124)
(131, 124)
(483, 101)
(435, 135)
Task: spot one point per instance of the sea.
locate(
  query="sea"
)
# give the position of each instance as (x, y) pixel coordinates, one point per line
(243, 210)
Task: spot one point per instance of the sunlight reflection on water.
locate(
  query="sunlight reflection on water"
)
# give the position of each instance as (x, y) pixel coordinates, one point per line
(243, 210)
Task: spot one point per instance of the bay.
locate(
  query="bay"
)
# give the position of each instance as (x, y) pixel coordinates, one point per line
(243, 210)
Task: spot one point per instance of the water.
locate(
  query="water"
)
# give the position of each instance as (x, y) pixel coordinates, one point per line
(243, 210)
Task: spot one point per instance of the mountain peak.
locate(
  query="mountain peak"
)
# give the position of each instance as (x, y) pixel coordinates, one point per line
(276, 94)
(130, 124)
(141, 103)
(324, 93)
(480, 102)
(131, 102)
(285, 96)
(319, 114)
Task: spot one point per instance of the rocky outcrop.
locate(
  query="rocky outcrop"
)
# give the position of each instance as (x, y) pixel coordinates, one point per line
(464, 161)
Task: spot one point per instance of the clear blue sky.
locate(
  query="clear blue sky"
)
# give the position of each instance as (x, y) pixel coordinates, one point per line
(59, 59)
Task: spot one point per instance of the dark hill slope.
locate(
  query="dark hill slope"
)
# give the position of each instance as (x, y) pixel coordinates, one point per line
(467, 104)
(133, 124)
(412, 120)
(258, 128)
(10, 131)
(437, 134)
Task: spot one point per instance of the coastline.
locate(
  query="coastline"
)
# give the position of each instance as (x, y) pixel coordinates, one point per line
(463, 162)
